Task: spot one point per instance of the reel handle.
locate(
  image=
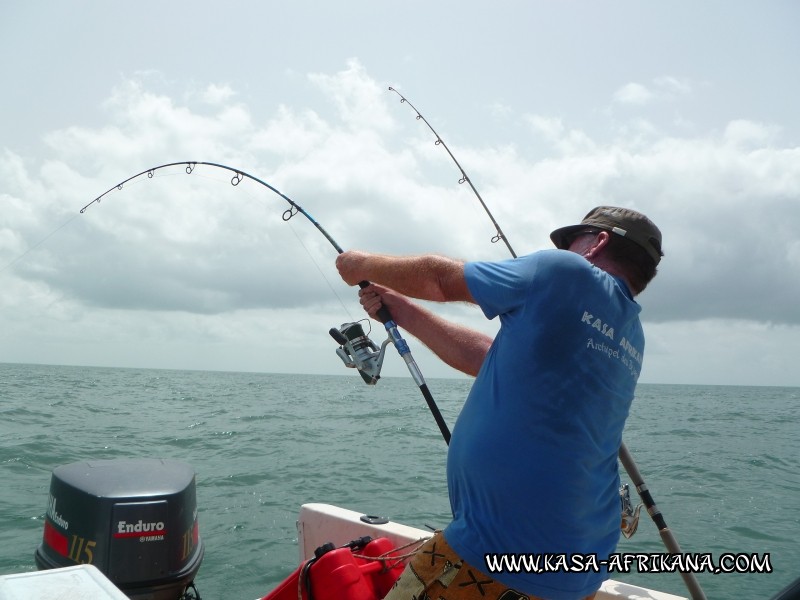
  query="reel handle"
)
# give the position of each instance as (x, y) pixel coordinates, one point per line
(337, 335)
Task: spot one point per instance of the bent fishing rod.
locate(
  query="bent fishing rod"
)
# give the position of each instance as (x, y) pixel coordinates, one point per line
(356, 349)
(464, 177)
(630, 516)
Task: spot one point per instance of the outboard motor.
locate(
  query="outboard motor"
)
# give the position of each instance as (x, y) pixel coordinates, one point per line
(134, 519)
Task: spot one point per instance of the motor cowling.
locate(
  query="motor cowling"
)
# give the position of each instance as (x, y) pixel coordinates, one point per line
(134, 519)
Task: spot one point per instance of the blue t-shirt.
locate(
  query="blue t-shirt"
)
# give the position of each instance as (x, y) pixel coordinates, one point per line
(532, 463)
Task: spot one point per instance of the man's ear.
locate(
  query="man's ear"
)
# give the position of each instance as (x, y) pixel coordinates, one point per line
(597, 246)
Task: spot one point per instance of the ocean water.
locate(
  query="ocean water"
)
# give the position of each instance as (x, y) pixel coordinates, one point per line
(723, 463)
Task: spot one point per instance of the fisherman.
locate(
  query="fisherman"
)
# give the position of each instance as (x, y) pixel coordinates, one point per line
(532, 464)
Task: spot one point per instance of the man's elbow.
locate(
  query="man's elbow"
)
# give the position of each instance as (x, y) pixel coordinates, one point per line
(482, 346)
(451, 285)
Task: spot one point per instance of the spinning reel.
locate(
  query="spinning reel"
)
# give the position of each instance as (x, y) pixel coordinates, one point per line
(630, 515)
(359, 352)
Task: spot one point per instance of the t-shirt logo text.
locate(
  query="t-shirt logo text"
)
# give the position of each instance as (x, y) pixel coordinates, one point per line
(596, 323)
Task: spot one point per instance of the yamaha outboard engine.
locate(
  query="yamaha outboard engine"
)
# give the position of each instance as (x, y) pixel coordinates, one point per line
(134, 519)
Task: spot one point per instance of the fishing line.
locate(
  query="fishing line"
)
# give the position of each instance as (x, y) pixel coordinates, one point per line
(259, 201)
(39, 243)
(319, 269)
(355, 350)
(625, 457)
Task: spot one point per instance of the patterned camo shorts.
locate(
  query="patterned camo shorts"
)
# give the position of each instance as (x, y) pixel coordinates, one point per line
(437, 573)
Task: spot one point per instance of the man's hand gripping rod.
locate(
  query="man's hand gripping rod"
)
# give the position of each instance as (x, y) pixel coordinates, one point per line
(357, 351)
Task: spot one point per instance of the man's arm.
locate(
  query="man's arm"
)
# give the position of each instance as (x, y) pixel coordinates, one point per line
(460, 347)
(426, 277)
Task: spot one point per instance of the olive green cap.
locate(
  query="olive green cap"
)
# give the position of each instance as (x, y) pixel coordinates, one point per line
(628, 223)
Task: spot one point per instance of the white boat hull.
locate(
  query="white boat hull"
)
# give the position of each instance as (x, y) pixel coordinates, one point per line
(318, 524)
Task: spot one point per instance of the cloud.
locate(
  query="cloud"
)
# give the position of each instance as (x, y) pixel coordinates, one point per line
(500, 111)
(749, 134)
(361, 101)
(568, 142)
(720, 352)
(659, 89)
(705, 192)
(194, 250)
(217, 94)
(727, 204)
(633, 93)
(672, 85)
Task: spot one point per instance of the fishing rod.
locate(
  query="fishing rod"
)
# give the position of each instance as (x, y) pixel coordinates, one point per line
(630, 517)
(356, 349)
(669, 539)
(464, 177)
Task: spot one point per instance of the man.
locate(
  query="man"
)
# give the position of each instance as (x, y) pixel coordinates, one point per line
(532, 463)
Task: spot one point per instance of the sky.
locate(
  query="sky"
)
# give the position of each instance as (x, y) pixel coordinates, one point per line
(685, 111)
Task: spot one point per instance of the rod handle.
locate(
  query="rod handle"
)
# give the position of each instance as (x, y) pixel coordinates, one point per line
(384, 316)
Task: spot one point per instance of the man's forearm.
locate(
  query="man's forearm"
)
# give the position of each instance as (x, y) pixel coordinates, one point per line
(460, 347)
(426, 277)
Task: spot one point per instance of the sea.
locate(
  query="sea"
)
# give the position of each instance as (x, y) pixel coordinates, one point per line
(722, 463)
